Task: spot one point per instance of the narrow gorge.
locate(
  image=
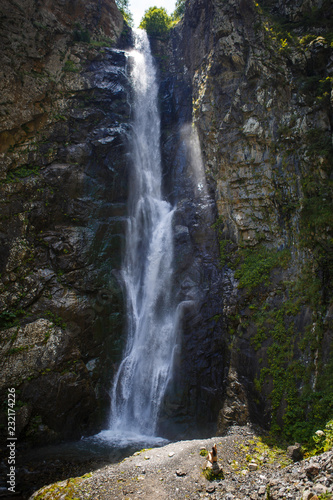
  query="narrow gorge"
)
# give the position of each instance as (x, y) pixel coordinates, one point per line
(229, 250)
(147, 271)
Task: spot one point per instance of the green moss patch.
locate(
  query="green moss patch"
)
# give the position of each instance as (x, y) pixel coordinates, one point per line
(10, 318)
(211, 476)
(21, 173)
(257, 265)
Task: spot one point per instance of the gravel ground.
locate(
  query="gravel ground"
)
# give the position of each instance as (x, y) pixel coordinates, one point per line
(249, 469)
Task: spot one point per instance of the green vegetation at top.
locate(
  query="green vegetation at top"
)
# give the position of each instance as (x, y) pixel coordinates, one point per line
(55, 319)
(179, 10)
(156, 21)
(123, 6)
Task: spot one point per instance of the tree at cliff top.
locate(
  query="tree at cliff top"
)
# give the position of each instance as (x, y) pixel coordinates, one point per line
(123, 6)
(156, 21)
(179, 10)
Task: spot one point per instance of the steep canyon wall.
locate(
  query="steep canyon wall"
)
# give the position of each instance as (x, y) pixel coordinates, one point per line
(64, 119)
(246, 110)
(254, 81)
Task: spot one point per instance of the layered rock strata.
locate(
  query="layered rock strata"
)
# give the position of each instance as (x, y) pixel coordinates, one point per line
(253, 82)
(64, 120)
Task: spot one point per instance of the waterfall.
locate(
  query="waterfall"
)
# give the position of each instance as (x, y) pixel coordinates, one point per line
(145, 369)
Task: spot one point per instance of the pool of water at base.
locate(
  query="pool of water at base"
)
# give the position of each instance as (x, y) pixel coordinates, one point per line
(48, 464)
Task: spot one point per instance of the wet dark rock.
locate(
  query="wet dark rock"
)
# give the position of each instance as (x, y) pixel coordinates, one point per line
(62, 218)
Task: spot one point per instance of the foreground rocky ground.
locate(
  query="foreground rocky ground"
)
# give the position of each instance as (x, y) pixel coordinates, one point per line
(251, 469)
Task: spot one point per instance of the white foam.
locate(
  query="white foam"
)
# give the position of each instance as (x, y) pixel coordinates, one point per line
(124, 440)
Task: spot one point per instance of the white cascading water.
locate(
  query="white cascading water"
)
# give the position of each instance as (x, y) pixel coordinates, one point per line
(143, 374)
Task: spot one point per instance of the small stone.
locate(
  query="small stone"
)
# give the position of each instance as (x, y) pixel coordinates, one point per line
(180, 473)
(312, 470)
(319, 489)
(307, 494)
(171, 454)
(295, 452)
(253, 466)
(262, 490)
(210, 489)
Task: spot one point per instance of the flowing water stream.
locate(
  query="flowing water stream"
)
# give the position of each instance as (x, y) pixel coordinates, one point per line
(143, 374)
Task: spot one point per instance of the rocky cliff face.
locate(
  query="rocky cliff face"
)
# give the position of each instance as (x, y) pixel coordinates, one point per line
(254, 82)
(246, 103)
(64, 117)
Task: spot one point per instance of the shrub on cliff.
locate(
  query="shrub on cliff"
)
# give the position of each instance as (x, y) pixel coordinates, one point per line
(123, 6)
(321, 441)
(179, 10)
(156, 21)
